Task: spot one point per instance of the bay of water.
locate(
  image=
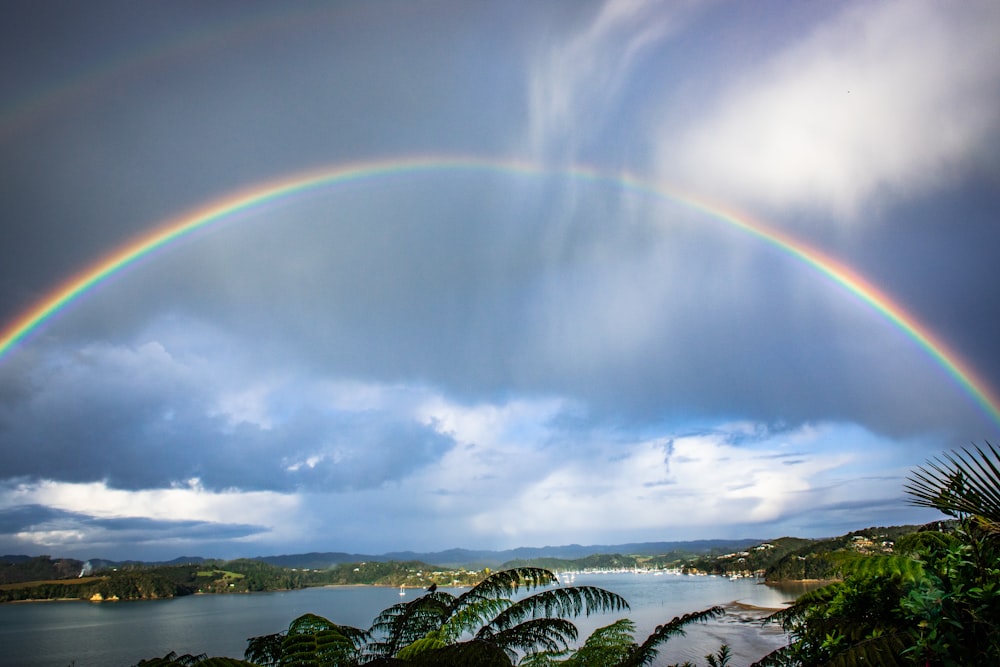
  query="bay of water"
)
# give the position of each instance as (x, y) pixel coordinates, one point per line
(113, 634)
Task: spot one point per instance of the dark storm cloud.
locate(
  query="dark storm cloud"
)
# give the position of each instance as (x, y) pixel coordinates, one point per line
(28, 518)
(139, 418)
(142, 529)
(17, 519)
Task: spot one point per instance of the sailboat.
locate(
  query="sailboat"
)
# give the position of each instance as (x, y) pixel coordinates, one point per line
(401, 591)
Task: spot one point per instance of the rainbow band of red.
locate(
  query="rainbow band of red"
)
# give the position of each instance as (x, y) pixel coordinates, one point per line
(226, 207)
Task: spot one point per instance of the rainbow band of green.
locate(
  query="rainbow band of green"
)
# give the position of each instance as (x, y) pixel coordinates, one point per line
(285, 188)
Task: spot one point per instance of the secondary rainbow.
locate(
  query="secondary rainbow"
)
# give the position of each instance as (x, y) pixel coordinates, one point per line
(271, 191)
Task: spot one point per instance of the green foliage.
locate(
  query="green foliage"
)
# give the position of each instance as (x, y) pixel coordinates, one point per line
(136, 586)
(935, 602)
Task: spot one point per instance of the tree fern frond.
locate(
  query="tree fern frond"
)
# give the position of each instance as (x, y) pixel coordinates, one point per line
(804, 603)
(546, 634)
(923, 540)
(619, 633)
(568, 601)
(472, 616)
(544, 659)
(505, 583)
(781, 657)
(609, 645)
(405, 622)
(473, 653)
(264, 650)
(314, 640)
(902, 568)
(422, 645)
(884, 650)
(187, 660)
(646, 652)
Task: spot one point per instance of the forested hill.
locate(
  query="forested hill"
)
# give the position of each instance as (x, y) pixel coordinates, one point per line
(787, 558)
(797, 559)
(17, 569)
(42, 578)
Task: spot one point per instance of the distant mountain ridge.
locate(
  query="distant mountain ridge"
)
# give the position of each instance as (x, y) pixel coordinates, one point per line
(489, 558)
(457, 557)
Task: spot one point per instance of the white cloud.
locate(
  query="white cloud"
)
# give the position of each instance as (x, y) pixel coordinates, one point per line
(190, 502)
(688, 485)
(574, 83)
(889, 97)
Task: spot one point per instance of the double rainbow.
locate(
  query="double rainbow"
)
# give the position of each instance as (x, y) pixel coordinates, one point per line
(286, 188)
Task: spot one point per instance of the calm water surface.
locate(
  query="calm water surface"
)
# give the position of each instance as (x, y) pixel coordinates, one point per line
(84, 634)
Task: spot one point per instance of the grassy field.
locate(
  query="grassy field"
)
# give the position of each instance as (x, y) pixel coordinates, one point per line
(224, 573)
(64, 582)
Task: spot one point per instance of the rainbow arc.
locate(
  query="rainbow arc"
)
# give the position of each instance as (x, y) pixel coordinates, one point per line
(285, 188)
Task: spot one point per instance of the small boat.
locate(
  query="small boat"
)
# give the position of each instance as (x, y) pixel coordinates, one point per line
(401, 591)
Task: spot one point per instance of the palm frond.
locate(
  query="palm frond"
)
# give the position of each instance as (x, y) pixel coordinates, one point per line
(962, 483)
(646, 652)
(563, 602)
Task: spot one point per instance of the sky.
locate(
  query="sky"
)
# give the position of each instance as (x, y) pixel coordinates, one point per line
(585, 272)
